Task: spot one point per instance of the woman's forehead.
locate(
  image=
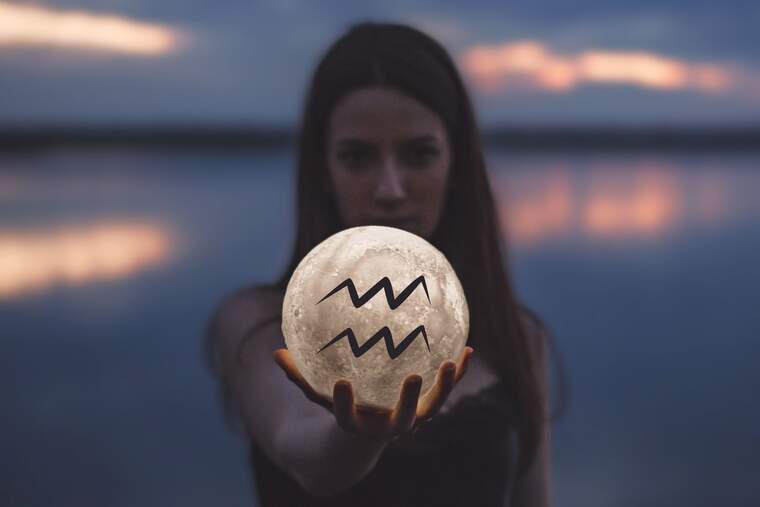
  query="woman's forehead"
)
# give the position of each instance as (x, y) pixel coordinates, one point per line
(375, 114)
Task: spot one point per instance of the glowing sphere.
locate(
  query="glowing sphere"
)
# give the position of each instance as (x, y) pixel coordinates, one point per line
(373, 305)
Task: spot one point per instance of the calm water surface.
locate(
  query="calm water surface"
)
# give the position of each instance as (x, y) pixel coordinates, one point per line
(645, 267)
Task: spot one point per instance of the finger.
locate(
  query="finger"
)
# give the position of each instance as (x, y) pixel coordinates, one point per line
(405, 412)
(463, 363)
(343, 406)
(285, 361)
(281, 357)
(444, 383)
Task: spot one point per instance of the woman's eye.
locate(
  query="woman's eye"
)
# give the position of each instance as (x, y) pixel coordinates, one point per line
(422, 156)
(352, 158)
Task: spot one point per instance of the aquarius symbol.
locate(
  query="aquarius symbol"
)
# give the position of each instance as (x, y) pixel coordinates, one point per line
(383, 284)
(383, 333)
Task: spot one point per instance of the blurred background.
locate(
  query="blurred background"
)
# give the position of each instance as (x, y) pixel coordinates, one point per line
(146, 169)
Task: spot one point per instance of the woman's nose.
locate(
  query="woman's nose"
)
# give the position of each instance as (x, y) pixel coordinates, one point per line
(390, 188)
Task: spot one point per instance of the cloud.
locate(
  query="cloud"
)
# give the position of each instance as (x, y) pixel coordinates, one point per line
(38, 26)
(531, 65)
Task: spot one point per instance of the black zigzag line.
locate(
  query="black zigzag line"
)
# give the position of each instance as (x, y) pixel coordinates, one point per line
(385, 334)
(383, 284)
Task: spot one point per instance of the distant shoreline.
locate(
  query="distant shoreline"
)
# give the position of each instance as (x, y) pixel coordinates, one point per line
(258, 138)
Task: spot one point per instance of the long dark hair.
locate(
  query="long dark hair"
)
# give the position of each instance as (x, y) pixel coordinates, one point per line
(405, 59)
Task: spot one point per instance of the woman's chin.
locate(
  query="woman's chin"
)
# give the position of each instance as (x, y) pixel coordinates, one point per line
(412, 226)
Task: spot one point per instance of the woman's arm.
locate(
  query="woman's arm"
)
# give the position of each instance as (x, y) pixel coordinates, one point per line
(534, 488)
(297, 434)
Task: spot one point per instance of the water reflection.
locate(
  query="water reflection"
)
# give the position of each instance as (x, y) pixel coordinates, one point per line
(646, 345)
(626, 202)
(540, 207)
(648, 205)
(34, 260)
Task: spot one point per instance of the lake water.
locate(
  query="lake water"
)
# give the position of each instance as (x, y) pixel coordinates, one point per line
(643, 265)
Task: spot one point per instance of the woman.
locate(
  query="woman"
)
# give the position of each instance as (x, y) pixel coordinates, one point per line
(388, 136)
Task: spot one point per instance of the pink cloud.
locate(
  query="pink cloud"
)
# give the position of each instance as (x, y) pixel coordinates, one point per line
(529, 64)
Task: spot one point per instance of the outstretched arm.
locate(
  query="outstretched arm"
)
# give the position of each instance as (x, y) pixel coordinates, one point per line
(295, 433)
(301, 433)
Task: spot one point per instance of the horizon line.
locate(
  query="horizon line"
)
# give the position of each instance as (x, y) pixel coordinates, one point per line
(252, 136)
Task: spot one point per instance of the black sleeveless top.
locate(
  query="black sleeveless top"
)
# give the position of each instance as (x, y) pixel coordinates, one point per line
(464, 456)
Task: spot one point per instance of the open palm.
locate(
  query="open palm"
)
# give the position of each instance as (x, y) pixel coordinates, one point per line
(382, 424)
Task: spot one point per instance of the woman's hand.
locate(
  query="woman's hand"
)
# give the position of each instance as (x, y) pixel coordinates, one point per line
(382, 424)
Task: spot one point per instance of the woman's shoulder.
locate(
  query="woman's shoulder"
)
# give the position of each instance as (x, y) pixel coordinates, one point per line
(246, 303)
(237, 312)
(259, 294)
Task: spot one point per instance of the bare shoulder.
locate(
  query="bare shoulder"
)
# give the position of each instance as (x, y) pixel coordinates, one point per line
(245, 299)
(237, 313)
(246, 305)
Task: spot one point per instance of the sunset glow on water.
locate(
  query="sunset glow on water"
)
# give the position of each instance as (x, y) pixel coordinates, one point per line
(643, 265)
(626, 202)
(35, 260)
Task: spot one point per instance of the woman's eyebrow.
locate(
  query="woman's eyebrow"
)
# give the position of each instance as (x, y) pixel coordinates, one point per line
(352, 141)
(423, 139)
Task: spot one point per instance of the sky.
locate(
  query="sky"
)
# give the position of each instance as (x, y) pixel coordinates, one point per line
(680, 62)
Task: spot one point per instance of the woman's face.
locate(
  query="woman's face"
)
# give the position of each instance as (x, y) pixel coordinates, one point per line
(388, 157)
